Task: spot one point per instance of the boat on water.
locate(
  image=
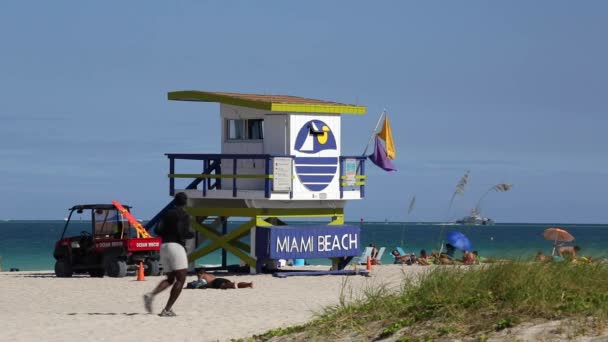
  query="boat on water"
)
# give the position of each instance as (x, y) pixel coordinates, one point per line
(476, 219)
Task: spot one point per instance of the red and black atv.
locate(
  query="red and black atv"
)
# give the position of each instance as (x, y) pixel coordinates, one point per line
(114, 243)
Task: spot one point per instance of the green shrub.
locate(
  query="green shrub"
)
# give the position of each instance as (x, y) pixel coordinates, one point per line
(492, 297)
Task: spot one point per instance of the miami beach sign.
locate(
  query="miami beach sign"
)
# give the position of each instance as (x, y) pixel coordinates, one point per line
(293, 242)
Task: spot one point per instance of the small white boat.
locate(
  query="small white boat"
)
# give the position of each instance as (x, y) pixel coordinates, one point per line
(476, 219)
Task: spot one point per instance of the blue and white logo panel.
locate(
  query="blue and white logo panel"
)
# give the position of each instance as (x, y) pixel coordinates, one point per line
(315, 172)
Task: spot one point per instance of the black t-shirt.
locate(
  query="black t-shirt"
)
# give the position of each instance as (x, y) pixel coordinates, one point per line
(174, 226)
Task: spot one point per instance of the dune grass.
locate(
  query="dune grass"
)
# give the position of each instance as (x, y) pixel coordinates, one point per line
(461, 301)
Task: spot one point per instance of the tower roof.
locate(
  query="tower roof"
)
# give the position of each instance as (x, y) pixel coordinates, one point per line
(273, 103)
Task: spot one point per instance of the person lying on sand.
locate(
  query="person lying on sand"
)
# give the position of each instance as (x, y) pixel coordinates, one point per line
(218, 283)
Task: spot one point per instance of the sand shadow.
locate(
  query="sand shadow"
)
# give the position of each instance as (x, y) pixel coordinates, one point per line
(107, 313)
(43, 275)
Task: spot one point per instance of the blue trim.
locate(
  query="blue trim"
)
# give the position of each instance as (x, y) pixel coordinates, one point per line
(267, 181)
(234, 179)
(316, 161)
(316, 187)
(309, 170)
(171, 180)
(340, 179)
(362, 171)
(316, 169)
(203, 156)
(315, 179)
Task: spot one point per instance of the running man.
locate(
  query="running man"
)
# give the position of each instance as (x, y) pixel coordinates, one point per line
(174, 229)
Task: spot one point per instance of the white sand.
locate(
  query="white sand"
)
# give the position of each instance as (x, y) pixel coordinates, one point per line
(37, 306)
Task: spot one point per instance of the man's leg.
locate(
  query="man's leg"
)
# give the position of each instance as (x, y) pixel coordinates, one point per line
(244, 285)
(226, 284)
(164, 284)
(178, 284)
(149, 297)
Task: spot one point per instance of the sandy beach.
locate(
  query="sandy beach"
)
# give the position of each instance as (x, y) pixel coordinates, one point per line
(39, 306)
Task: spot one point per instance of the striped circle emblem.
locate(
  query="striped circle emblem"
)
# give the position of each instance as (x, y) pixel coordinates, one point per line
(316, 172)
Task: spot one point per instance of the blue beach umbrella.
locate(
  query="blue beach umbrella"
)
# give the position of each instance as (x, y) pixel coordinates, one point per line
(459, 240)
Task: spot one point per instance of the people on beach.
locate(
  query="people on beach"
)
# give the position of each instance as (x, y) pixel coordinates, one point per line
(478, 259)
(468, 258)
(450, 250)
(565, 255)
(540, 256)
(214, 282)
(410, 259)
(174, 229)
(374, 254)
(401, 259)
(424, 258)
(568, 251)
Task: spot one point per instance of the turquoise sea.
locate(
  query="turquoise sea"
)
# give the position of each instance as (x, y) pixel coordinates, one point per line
(28, 245)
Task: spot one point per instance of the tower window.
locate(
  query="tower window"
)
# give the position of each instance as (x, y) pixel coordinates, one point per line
(245, 129)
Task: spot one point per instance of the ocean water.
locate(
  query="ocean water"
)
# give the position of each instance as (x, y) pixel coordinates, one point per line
(28, 245)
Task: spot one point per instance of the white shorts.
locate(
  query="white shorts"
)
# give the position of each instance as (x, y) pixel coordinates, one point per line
(173, 257)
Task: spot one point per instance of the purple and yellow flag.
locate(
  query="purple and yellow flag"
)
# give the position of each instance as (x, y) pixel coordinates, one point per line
(387, 135)
(380, 158)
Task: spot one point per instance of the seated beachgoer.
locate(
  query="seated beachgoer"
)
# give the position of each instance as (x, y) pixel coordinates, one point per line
(402, 259)
(568, 251)
(220, 283)
(450, 250)
(423, 259)
(540, 256)
(442, 259)
(478, 259)
(468, 258)
(374, 254)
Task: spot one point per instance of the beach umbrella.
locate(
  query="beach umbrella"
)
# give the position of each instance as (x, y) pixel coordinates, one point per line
(557, 234)
(459, 240)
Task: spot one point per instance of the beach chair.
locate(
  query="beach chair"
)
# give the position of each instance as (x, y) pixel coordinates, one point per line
(400, 250)
(380, 253)
(362, 259)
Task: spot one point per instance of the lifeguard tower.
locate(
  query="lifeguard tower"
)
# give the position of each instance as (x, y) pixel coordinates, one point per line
(280, 160)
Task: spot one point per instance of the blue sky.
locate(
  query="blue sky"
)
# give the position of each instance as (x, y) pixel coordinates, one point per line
(514, 91)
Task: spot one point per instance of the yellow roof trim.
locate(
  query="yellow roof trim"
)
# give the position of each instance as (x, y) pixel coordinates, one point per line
(265, 102)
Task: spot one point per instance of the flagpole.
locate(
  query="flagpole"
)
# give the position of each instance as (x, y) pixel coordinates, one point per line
(371, 137)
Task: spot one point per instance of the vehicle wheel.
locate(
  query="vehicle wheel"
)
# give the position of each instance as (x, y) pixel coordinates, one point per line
(116, 268)
(152, 268)
(63, 269)
(97, 273)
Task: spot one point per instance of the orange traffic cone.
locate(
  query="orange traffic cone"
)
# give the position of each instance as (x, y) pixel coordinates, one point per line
(140, 272)
(369, 264)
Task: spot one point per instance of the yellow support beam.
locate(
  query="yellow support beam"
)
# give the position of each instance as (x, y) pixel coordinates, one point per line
(213, 234)
(225, 243)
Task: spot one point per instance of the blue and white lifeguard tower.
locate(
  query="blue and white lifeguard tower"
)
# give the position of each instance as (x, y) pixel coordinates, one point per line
(280, 160)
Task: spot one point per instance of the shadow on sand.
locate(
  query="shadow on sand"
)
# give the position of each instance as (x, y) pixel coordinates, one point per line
(107, 313)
